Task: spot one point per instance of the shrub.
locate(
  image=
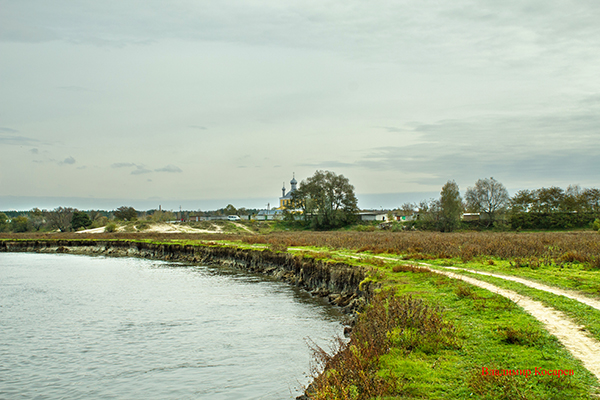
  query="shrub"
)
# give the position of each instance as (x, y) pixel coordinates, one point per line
(390, 321)
(463, 291)
(519, 336)
(409, 268)
(110, 227)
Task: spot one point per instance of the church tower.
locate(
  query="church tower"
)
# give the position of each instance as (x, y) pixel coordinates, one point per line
(286, 198)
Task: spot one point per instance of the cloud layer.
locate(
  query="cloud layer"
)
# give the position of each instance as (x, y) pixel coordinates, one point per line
(224, 100)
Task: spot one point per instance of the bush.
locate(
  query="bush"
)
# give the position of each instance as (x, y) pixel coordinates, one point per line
(20, 224)
(80, 220)
(111, 227)
(403, 322)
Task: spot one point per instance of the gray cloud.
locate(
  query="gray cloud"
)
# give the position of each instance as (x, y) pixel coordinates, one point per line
(34, 151)
(8, 130)
(17, 140)
(519, 148)
(67, 161)
(123, 165)
(140, 169)
(510, 30)
(506, 89)
(169, 168)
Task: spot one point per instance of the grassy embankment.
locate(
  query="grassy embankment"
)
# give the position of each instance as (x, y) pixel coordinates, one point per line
(434, 342)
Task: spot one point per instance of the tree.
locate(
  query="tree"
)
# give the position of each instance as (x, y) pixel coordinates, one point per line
(573, 199)
(548, 200)
(125, 213)
(408, 209)
(20, 224)
(327, 200)
(60, 218)
(4, 225)
(429, 212)
(36, 219)
(522, 201)
(450, 207)
(489, 197)
(80, 220)
(230, 210)
(591, 199)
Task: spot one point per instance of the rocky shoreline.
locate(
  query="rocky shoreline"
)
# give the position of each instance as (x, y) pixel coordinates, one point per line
(340, 283)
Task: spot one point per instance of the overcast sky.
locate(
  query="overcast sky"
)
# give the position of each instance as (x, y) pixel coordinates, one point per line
(204, 103)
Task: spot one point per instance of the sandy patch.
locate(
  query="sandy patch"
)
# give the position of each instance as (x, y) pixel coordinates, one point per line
(162, 228)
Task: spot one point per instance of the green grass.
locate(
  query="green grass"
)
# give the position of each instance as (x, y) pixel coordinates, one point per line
(485, 321)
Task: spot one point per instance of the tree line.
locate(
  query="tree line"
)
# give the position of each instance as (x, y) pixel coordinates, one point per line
(490, 206)
(327, 201)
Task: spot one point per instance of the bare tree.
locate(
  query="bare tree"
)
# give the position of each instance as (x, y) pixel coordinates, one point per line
(488, 196)
(60, 218)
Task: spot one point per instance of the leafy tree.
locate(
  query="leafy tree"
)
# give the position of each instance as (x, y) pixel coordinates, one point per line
(162, 216)
(591, 199)
(80, 220)
(4, 225)
(548, 200)
(125, 213)
(450, 207)
(488, 196)
(20, 224)
(327, 200)
(573, 199)
(522, 201)
(230, 210)
(60, 218)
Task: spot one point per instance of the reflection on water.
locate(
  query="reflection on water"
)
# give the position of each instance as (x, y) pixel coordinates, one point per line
(94, 327)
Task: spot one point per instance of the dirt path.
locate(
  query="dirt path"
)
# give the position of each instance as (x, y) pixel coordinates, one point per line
(558, 324)
(244, 227)
(571, 335)
(560, 292)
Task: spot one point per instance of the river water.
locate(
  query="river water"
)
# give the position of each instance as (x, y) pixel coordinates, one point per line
(78, 327)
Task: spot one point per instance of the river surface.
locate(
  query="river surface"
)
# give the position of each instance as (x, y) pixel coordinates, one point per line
(78, 327)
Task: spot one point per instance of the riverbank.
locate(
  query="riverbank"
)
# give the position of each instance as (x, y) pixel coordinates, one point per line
(340, 283)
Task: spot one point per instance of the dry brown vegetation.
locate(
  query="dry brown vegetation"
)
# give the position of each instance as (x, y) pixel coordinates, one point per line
(557, 247)
(526, 249)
